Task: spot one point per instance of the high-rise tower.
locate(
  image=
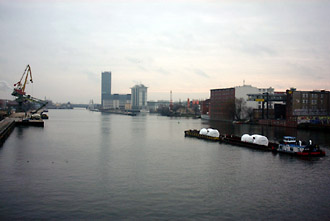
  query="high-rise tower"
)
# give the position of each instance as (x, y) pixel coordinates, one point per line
(106, 88)
(139, 97)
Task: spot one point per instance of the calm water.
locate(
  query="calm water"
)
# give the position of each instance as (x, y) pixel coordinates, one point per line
(88, 165)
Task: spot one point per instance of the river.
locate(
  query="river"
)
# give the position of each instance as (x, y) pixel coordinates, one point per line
(88, 165)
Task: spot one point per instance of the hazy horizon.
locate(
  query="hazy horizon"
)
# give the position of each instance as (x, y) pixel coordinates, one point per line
(187, 47)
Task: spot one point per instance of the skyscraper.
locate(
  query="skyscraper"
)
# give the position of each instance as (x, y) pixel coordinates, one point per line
(139, 97)
(106, 88)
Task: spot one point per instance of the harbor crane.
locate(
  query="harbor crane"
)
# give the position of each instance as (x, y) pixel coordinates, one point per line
(19, 86)
(21, 97)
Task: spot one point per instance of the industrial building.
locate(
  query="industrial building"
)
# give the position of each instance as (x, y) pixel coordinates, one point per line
(120, 101)
(245, 90)
(153, 106)
(308, 107)
(222, 104)
(223, 101)
(139, 97)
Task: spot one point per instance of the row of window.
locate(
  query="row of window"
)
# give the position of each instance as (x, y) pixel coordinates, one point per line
(266, 90)
(313, 102)
(305, 95)
(312, 108)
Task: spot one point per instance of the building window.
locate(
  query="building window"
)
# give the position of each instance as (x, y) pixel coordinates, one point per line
(314, 95)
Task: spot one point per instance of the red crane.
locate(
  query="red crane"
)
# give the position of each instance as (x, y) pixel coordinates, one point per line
(19, 86)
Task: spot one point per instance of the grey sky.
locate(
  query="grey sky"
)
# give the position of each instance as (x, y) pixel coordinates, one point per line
(188, 47)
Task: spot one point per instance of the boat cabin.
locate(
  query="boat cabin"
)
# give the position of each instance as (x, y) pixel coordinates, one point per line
(289, 140)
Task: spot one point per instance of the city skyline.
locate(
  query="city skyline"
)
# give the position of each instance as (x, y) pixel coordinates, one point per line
(187, 47)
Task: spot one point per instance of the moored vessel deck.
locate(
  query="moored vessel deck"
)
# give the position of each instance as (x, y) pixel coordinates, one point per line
(287, 146)
(195, 133)
(28, 122)
(235, 140)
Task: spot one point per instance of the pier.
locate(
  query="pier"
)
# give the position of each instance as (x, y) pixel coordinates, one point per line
(8, 124)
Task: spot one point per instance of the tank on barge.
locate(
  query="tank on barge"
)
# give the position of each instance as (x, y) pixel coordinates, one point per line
(205, 134)
(255, 141)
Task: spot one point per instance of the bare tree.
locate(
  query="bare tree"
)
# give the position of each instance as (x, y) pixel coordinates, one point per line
(240, 108)
(249, 112)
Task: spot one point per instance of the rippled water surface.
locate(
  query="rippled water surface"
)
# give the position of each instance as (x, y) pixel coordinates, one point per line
(88, 165)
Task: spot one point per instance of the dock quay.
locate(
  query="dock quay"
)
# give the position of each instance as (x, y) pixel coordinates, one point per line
(8, 124)
(36, 123)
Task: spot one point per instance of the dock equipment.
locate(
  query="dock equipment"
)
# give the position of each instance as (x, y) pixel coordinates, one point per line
(267, 98)
(21, 97)
(20, 86)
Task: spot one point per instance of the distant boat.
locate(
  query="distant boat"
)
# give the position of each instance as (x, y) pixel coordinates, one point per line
(241, 121)
(205, 117)
(144, 111)
(44, 116)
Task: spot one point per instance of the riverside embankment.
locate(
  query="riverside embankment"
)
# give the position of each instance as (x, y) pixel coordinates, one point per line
(8, 124)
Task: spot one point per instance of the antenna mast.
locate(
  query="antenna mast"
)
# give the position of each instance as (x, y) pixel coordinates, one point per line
(171, 101)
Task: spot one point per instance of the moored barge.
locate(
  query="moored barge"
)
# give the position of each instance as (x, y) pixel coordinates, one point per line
(196, 133)
(289, 145)
(235, 140)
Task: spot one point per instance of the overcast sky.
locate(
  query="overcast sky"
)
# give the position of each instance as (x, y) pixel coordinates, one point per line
(185, 46)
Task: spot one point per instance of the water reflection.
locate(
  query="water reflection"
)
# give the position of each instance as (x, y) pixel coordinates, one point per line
(121, 167)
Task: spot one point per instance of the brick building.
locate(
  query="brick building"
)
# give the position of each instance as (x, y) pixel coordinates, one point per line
(222, 104)
(309, 107)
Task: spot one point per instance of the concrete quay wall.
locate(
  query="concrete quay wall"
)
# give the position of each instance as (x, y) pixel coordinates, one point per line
(7, 125)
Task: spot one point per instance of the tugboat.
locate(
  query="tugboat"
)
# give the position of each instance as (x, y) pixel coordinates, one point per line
(290, 145)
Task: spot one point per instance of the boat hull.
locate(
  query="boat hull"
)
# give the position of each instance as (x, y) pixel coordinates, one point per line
(300, 150)
(312, 154)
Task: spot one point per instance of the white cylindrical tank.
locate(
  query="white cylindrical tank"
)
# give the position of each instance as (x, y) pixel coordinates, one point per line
(247, 138)
(213, 132)
(259, 139)
(203, 131)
